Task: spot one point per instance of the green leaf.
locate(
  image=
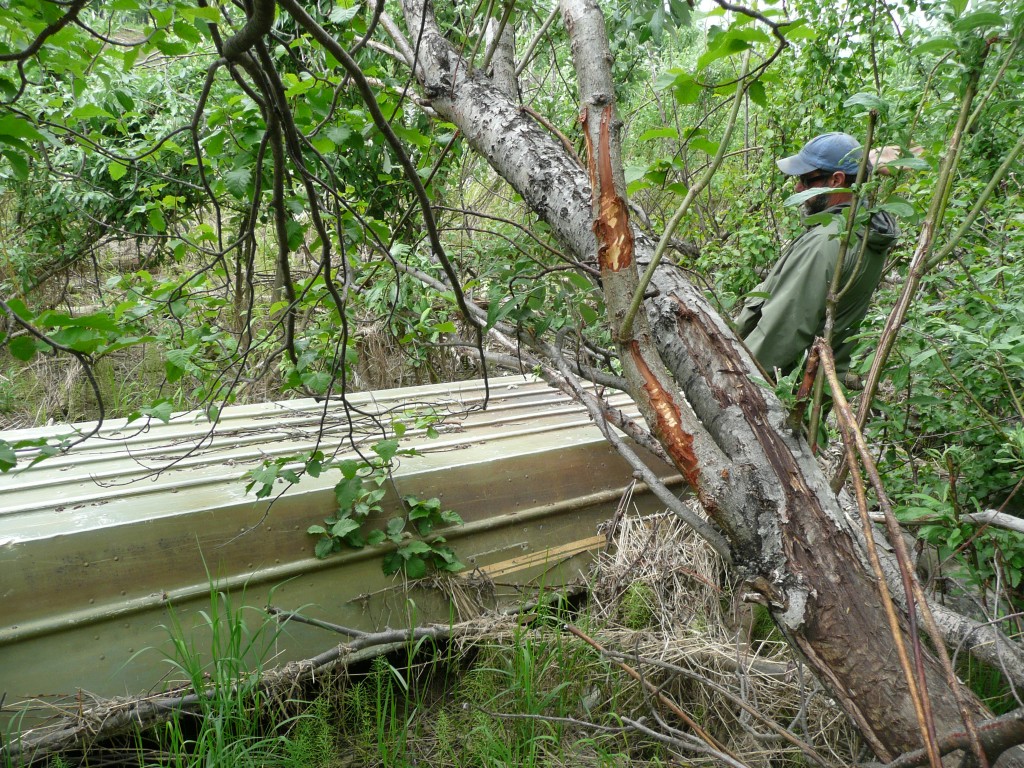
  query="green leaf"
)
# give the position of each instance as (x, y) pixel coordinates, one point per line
(156, 220)
(798, 30)
(187, 32)
(84, 340)
(324, 547)
(807, 194)
(339, 134)
(730, 45)
(415, 567)
(317, 381)
(414, 137)
(936, 45)
(100, 321)
(18, 308)
(392, 563)
(421, 510)
(45, 451)
(655, 25)
(386, 449)
(977, 20)
(160, 411)
(445, 553)
(124, 342)
(23, 347)
(19, 128)
(173, 372)
(238, 181)
(632, 173)
(703, 145)
(170, 48)
(453, 566)
(867, 100)
(375, 538)
(130, 56)
(8, 458)
(679, 12)
(824, 219)
(117, 170)
(347, 491)
(451, 518)
(205, 13)
(395, 526)
(757, 93)
(316, 529)
(324, 145)
(899, 208)
(89, 111)
(670, 79)
(178, 362)
(344, 527)
(19, 165)
(659, 133)
(343, 15)
(417, 548)
(688, 92)
(314, 465)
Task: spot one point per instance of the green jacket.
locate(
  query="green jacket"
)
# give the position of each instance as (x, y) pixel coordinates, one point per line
(779, 327)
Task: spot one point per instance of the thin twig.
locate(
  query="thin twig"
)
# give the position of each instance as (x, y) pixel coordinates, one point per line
(853, 438)
(283, 616)
(803, 746)
(667, 702)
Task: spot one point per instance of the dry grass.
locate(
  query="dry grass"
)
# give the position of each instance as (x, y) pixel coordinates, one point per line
(660, 571)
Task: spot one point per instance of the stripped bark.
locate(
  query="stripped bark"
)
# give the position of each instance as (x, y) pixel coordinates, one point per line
(760, 485)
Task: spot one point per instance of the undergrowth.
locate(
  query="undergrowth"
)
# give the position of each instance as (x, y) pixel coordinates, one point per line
(520, 689)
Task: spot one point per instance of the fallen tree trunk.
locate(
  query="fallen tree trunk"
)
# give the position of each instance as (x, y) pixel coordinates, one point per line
(790, 539)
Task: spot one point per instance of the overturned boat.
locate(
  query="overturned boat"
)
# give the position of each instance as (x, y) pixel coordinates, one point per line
(109, 551)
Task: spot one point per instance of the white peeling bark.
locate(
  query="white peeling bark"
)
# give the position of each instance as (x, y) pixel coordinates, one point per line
(503, 61)
(664, 407)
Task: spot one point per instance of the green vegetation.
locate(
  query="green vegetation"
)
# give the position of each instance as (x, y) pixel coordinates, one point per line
(516, 690)
(222, 660)
(186, 226)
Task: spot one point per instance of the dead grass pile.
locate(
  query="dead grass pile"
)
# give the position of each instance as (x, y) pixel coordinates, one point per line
(663, 601)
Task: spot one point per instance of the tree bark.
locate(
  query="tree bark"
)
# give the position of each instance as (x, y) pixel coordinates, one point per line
(799, 553)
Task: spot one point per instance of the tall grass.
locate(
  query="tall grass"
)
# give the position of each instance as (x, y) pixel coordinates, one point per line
(222, 659)
(510, 701)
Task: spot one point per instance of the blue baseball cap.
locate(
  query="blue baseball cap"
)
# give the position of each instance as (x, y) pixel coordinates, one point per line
(828, 152)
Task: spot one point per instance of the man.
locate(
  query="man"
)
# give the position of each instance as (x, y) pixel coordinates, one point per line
(782, 321)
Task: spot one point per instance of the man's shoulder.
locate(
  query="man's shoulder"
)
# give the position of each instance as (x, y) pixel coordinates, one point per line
(819, 235)
(828, 224)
